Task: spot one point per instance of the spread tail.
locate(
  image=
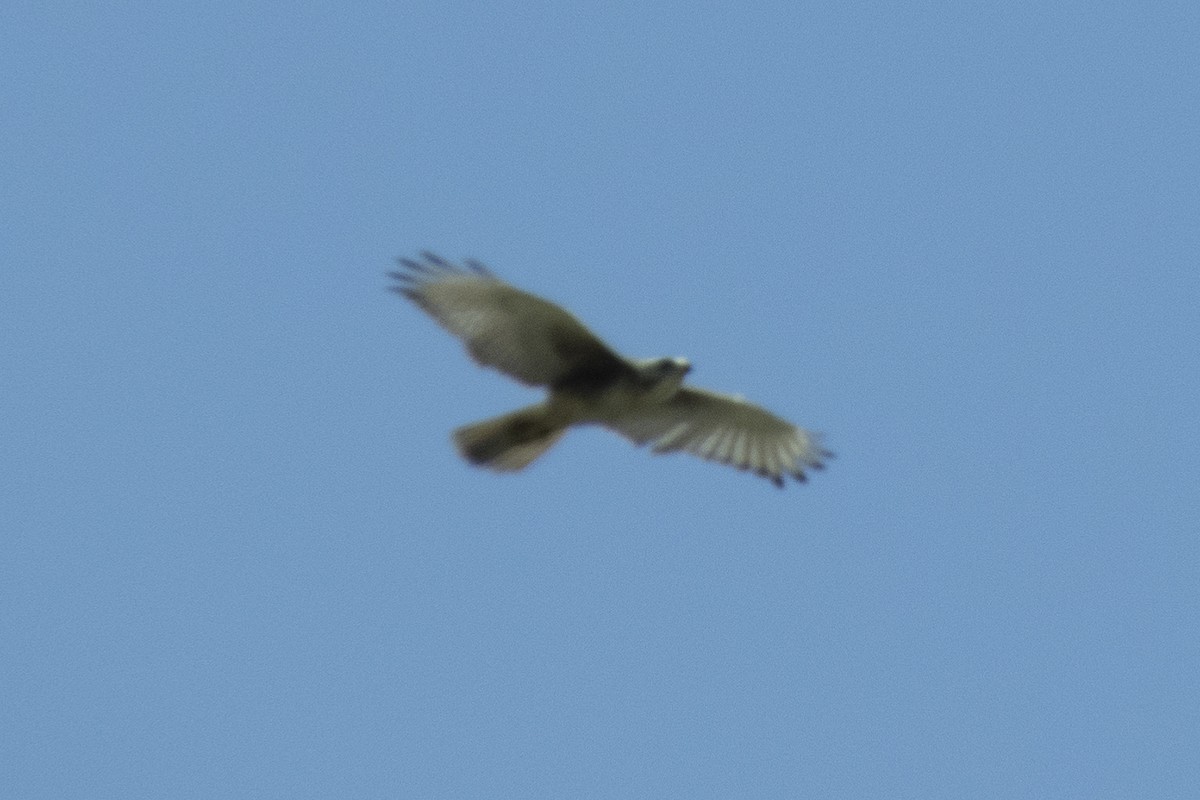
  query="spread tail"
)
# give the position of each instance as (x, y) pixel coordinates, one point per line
(510, 442)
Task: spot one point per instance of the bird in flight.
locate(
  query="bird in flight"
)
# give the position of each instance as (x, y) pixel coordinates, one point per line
(540, 344)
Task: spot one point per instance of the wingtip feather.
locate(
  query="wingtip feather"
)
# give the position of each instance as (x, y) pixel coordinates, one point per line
(477, 267)
(414, 266)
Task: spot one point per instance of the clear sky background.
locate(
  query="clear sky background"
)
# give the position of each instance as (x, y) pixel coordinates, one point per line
(240, 557)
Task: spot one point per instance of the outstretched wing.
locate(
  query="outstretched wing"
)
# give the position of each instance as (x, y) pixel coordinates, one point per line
(529, 338)
(726, 429)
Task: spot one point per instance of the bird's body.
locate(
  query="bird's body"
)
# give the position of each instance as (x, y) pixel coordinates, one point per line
(645, 400)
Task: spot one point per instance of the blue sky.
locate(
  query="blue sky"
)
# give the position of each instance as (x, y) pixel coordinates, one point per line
(241, 558)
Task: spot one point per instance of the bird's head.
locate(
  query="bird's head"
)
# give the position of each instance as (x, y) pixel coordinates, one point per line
(662, 377)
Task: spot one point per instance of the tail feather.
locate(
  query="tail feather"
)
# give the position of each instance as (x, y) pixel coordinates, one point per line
(510, 442)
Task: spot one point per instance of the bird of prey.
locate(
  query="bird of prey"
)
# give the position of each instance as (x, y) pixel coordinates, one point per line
(540, 344)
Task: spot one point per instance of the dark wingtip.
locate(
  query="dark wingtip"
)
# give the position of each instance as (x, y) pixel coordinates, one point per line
(407, 292)
(431, 264)
(476, 267)
(413, 266)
